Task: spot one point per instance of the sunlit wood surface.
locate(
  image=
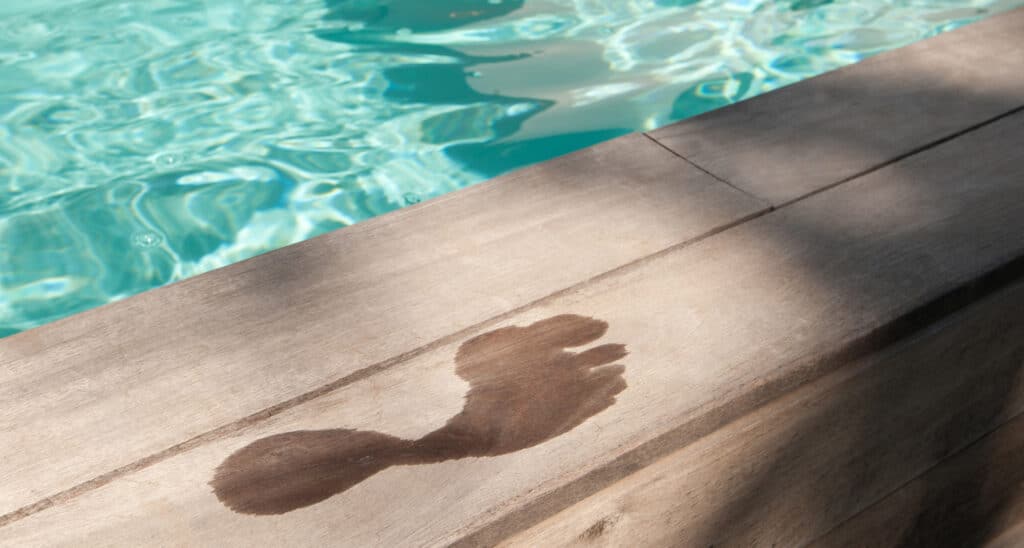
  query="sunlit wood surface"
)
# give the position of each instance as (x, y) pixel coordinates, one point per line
(762, 325)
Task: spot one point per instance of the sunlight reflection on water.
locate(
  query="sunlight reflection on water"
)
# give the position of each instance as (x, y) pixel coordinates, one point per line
(144, 142)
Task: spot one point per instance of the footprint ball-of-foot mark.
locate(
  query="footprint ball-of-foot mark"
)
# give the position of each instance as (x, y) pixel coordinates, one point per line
(524, 388)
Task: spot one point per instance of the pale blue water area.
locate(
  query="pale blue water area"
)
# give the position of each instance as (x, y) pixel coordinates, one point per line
(145, 142)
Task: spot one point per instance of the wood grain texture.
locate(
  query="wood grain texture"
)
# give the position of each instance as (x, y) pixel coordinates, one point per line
(100, 390)
(713, 330)
(802, 138)
(525, 388)
(974, 498)
(794, 469)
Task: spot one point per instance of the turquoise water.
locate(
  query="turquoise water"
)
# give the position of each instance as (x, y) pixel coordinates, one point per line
(145, 142)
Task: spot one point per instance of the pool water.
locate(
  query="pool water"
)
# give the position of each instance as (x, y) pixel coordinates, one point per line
(145, 142)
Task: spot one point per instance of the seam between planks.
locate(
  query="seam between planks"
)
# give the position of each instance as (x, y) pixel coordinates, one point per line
(908, 154)
(948, 457)
(811, 367)
(364, 373)
(987, 433)
(714, 418)
(857, 175)
(708, 173)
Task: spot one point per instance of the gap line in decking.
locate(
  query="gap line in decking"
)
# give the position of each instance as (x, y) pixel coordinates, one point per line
(364, 373)
(714, 176)
(901, 327)
(710, 420)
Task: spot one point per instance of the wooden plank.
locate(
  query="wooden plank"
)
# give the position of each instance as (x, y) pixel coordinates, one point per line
(1013, 536)
(802, 138)
(794, 469)
(974, 498)
(101, 390)
(448, 445)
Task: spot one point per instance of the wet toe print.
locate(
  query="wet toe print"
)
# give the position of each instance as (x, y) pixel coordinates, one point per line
(525, 389)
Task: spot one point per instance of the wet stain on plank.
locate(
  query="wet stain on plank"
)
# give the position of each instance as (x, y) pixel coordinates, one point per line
(525, 389)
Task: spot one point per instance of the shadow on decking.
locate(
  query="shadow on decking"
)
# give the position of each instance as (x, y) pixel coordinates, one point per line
(939, 522)
(806, 239)
(932, 527)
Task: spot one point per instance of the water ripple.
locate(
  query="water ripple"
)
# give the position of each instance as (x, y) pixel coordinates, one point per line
(144, 142)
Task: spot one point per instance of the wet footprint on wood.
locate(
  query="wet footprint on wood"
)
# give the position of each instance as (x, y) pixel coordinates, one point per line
(524, 389)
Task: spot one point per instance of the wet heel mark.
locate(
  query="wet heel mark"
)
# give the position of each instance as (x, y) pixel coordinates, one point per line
(525, 389)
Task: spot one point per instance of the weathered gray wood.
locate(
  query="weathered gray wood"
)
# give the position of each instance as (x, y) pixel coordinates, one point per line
(712, 331)
(100, 390)
(974, 498)
(794, 469)
(783, 145)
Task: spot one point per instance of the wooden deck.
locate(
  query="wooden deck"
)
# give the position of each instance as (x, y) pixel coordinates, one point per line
(796, 320)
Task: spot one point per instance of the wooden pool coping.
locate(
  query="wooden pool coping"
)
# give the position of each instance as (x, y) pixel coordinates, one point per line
(739, 256)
